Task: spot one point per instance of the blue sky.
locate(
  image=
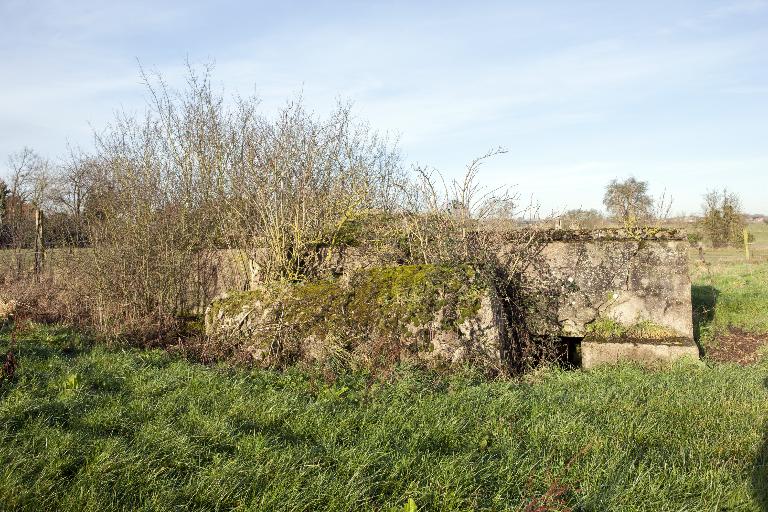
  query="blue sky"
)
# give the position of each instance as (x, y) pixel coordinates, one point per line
(675, 93)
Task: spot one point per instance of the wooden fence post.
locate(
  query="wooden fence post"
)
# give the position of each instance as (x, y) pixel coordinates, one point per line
(746, 243)
(39, 244)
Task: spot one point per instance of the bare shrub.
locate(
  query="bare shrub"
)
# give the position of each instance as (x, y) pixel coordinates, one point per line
(466, 223)
(581, 219)
(198, 187)
(299, 184)
(44, 301)
(445, 223)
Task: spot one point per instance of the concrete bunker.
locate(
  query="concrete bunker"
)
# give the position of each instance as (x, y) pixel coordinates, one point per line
(614, 294)
(609, 295)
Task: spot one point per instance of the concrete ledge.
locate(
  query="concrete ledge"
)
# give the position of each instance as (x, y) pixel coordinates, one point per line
(594, 353)
(637, 234)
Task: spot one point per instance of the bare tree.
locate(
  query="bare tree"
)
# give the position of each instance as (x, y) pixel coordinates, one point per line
(4, 196)
(22, 165)
(628, 201)
(28, 189)
(70, 191)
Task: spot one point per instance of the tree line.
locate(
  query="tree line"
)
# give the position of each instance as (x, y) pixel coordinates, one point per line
(62, 191)
(629, 203)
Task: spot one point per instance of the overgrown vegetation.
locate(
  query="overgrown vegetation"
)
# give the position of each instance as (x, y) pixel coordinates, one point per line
(163, 193)
(86, 428)
(165, 198)
(202, 195)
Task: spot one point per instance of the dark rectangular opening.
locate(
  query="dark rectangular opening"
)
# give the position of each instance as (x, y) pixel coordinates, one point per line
(571, 347)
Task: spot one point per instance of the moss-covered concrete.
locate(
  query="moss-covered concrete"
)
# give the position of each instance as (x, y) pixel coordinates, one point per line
(390, 298)
(413, 304)
(233, 303)
(608, 329)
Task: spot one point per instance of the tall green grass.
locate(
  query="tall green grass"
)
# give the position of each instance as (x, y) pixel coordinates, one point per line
(87, 428)
(733, 295)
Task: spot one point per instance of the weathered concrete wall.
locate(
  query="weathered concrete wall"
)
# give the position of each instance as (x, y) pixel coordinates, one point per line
(430, 313)
(595, 353)
(612, 274)
(626, 292)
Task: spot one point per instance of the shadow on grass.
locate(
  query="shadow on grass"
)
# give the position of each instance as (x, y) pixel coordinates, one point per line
(760, 473)
(703, 300)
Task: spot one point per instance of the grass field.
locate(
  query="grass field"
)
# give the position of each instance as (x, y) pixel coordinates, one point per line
(758, 249)
(729, 292)
(734, 295)
(87, 428)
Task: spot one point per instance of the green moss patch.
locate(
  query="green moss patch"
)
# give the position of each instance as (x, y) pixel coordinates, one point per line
(379, 301)
(608, 329)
